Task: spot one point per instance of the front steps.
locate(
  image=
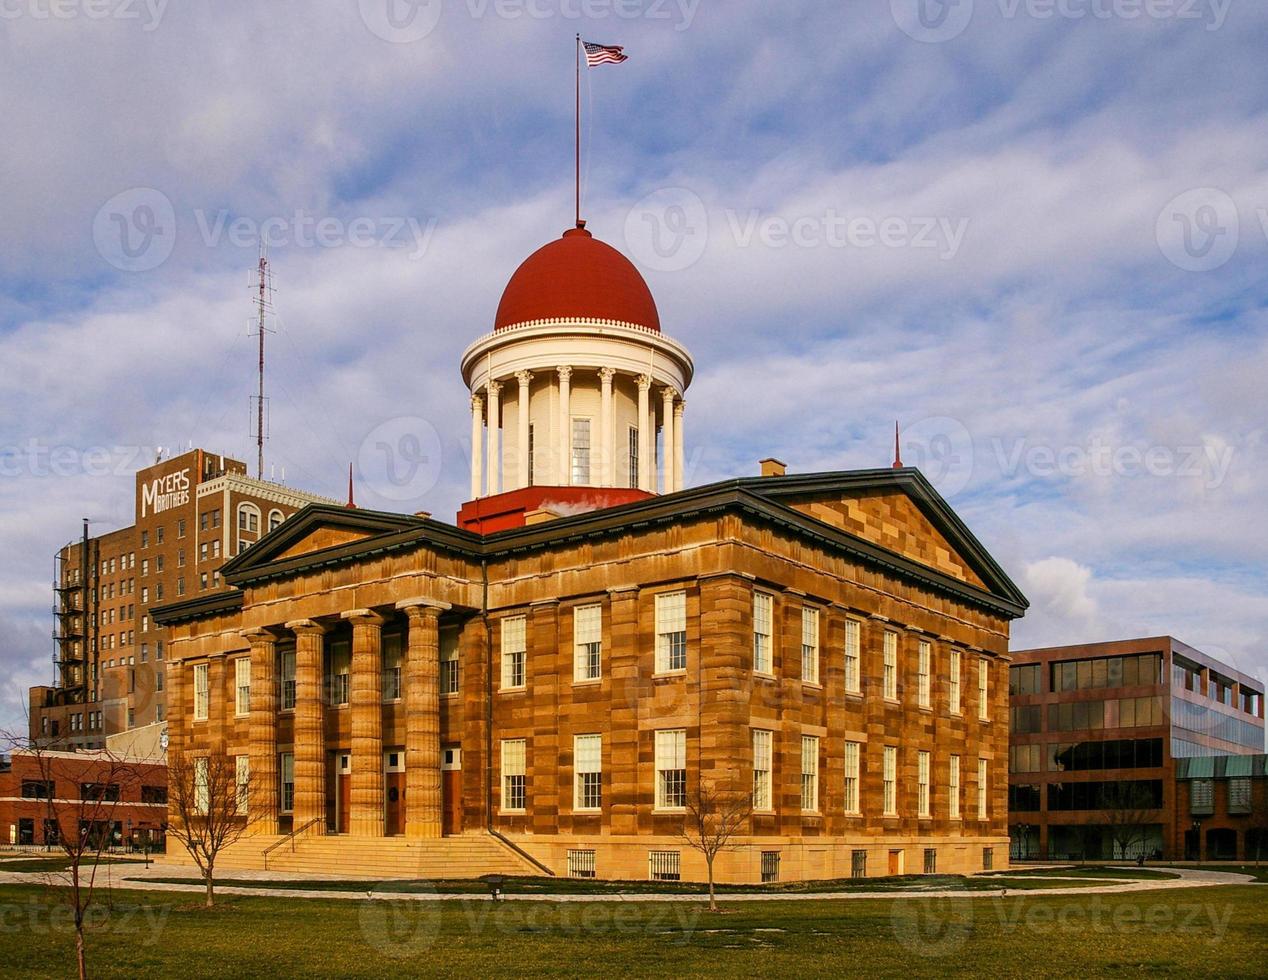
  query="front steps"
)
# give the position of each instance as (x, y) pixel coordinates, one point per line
(340, 855)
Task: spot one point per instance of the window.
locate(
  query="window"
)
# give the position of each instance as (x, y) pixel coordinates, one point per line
(770, 866)
(1239, 795)
(450, 679)
(581, 863)
(809, 645)
(158, 564)
(580, 452)
(983, 680)
(200, 785)
(890, 676)
(587, 755)
(850, 786)
(242, 683)
(889, 788)
(339, 681)
(1202, 796)
(513, 647)
(953, 787)
(671, 632)
(858, 864)
(158, 537)
(286, 775)
(275, 519)
(513, 776)
(202, 551)
(393, 650)
(180, 528)
(988, 858)
(1027, 679)
(761, 770)
(242, 780)
(203, 520)
(923, 666)
(981, 789)
(153, 794)
(201, 692)
(922, 784)
(809, 772)
(587, 638)
(633, 457)
(249, 518)
(664, 865)
(852, 656)
(953, 690)
(931, 860)
(671, 769)
(145, 539)
(286, 675)
(37, 789)
(763, 603)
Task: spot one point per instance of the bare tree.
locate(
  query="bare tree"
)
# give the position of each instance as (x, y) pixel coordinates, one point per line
(714, 816)
(1129, 811)
(80, 792)
(207, 807)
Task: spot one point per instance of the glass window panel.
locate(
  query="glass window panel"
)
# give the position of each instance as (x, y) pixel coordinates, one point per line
(1115, 672)
(1099, 672)
(1084, 674)
(1130, 672)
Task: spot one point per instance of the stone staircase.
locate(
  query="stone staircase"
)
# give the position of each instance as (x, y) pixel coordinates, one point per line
(340, 855)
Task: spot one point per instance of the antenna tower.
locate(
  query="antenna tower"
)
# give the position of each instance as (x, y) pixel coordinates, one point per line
(263, 287)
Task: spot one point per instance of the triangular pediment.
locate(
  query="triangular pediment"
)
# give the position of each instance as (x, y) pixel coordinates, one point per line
(316, 528)
(899, 511)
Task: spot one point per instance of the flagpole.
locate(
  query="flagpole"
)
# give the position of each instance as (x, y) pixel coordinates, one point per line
(578, 140)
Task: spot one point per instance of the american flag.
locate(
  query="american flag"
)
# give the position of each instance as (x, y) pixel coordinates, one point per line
(603, 54)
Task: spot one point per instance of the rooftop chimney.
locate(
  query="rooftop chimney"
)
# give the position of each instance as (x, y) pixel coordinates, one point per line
(773, 467)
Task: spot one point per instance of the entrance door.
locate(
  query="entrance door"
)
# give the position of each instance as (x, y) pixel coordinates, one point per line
(393, 792)
(343, 792)
(896, 862)
(451, 790)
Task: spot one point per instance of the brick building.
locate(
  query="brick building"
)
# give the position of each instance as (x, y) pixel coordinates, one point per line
(1221, 810)
(193, 512)
(594, 646)
(125, 800)
(1098, 730)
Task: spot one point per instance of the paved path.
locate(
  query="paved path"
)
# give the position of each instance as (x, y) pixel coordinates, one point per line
(141, 879)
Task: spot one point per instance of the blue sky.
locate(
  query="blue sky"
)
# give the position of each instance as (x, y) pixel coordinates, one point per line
(1033, 232)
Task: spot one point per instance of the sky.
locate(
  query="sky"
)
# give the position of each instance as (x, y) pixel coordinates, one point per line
(1033, 231)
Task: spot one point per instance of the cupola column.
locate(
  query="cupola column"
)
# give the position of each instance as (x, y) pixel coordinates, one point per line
(524, 477)
(646, 433)
(494, 481)
(679, 456)
(668, 455)
(565, 426)
(607, 440)
(477, 445)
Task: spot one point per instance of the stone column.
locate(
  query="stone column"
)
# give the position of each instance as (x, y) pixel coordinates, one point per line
(646, 433)
(667, 463)
(524, 476)
(310, 724)
(423, 797)
(679, 455)
(565, 426)
(607, 439)
(477, 445)
(262, 801)
(492, 431)
(365, 817)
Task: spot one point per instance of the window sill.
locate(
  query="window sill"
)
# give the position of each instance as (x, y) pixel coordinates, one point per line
(512, 813)
(587, 681)
(513, 690)
(588, 811)
(680, 672)
(894, 701)
(671, 811)
(813, 685)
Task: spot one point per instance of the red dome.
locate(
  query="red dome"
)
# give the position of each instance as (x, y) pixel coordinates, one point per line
(577, 276)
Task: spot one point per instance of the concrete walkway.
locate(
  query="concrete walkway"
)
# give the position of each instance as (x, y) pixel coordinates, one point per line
(142, 879)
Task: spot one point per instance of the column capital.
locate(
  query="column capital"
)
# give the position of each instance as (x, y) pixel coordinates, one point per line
(421, 604)
(364, 617)
(306, 627)
(493, 387)
(606, 375)
(258, 636)
(524, 377)
(644, 382)
(668, 393)
(565, 372)
(477, 401)
(679, 406)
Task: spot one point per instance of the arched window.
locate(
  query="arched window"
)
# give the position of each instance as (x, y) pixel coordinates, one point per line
(275, 519)
(249, 518)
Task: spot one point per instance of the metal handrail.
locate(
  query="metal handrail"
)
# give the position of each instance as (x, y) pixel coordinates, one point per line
(289, 837)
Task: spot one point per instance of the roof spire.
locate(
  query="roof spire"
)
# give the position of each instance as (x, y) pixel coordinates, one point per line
(898, 452)
(352, 504)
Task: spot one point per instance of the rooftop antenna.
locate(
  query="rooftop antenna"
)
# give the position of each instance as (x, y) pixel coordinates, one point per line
(352, 503)
(263, 287)
(898, 452)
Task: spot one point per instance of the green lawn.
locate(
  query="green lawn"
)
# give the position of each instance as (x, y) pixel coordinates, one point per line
(1194, 932)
